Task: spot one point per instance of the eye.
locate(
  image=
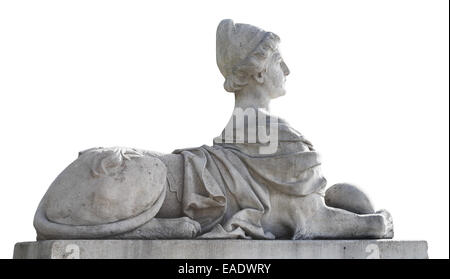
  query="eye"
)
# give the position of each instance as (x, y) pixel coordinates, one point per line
(280, 61)
(278, 58)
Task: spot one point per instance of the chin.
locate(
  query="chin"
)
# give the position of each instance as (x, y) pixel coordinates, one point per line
(279, 93)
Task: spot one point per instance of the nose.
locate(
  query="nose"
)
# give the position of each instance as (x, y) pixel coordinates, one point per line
(285, 68)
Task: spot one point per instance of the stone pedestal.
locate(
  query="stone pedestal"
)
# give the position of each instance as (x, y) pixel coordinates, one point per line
(221, 249)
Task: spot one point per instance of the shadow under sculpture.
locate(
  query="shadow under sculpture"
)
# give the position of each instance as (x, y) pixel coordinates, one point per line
(265, 183)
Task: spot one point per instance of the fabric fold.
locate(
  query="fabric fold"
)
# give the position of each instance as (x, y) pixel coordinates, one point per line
(228, 191)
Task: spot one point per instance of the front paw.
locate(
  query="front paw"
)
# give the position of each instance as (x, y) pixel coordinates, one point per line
(388, 223)
(187, 228)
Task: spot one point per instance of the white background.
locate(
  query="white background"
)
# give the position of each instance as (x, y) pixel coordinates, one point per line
(368, 86)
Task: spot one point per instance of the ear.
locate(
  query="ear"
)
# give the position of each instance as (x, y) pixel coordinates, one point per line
(259, 77)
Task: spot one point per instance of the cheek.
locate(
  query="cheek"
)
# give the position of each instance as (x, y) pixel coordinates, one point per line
(277, 78)
(276, 83)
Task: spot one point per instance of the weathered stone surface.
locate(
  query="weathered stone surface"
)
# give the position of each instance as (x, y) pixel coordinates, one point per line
(349, 197)
(265, 184)
(105, 185)
(221, 249)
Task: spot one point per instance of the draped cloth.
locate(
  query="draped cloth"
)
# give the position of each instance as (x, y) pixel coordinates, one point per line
(228, 191)
(227, 188)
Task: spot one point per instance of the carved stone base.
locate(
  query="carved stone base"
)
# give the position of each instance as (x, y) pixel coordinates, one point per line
(221, 249)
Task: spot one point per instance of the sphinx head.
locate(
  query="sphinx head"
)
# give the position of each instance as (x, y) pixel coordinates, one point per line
(248, 57)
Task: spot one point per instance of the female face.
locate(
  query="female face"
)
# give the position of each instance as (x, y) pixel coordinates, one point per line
(275, 76)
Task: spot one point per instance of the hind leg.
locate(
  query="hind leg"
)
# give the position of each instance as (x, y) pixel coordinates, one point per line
(335, 223)
(159, 228)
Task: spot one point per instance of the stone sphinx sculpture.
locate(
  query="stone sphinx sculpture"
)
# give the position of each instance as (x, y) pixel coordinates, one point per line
(260, 180)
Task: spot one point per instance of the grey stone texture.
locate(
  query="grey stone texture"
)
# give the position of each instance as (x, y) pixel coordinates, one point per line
(221, 249)
(263, 186)
(259, 195)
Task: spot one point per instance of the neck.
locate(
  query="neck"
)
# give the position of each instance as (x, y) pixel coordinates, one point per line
(252, 98)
